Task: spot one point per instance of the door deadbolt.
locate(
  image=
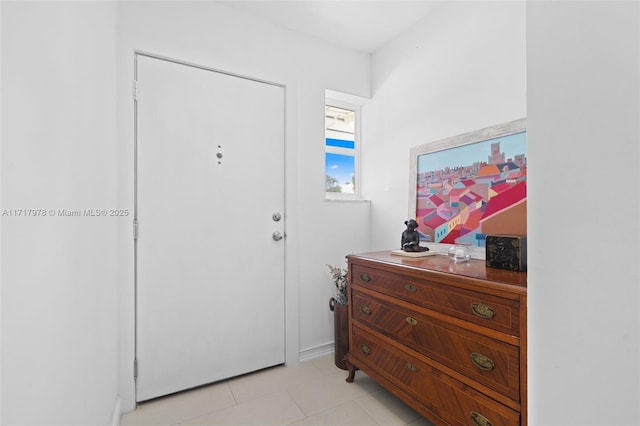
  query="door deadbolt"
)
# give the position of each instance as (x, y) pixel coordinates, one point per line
(276, 217)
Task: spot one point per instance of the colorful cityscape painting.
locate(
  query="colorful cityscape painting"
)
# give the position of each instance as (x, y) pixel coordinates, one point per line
(464, 191)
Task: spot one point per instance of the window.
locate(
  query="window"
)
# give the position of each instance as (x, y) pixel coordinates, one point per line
(342, 127)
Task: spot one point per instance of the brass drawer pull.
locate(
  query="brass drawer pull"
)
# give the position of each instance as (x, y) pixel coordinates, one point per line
(365, 277)
(365, 310)
(482, 362)
(412, 367)
(410, 287)
(364, 349)
(483, 311)
(412, 321)
(479, 420)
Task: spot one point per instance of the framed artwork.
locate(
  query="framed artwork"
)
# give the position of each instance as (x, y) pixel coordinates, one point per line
(471, 185)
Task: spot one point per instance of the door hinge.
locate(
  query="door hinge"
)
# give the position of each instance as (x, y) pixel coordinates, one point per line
(135, 90)
(135, 368)
(135, 229)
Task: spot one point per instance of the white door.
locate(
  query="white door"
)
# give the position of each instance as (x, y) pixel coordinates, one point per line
(209, 191)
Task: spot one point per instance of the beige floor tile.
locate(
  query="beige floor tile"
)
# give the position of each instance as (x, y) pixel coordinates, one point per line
(420, 422)
(276, 379)
(327, 364)
(330, 391)
(312, 393)
(387, 409)
(173, 409)
(274, 409)
(348, 414)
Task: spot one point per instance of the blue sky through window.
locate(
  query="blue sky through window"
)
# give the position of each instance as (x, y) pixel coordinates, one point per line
(340, 167)
(340, 149)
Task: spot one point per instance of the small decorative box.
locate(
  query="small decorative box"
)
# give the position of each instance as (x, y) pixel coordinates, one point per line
(507, 252)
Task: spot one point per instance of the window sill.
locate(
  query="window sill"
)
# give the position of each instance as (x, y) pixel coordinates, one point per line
(347, 198)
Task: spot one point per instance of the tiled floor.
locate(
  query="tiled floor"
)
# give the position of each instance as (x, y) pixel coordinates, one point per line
(311, 393)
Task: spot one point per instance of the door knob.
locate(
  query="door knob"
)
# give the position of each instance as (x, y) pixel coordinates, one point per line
(277, 236)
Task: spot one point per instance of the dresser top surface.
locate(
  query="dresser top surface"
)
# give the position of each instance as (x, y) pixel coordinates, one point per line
(441, 264)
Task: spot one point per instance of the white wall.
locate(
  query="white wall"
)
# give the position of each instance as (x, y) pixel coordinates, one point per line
(463, 68)
(59, 287)
(460, 69)
(67, 306)
(318, 232)
(582, 77)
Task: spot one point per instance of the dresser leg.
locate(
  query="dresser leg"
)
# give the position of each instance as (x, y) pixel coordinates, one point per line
(352, 373)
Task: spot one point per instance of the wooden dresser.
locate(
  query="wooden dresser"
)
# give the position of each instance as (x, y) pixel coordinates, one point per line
(449, 339)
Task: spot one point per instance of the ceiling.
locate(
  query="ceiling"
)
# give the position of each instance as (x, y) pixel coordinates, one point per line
(362, 25)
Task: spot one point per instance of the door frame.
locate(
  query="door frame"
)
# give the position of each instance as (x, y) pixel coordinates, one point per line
(291, 309)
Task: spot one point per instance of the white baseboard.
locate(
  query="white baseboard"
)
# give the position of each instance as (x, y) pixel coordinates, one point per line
(115, 418)
(317, 352)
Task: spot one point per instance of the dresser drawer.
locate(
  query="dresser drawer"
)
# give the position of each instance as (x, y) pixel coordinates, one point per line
(490, 311)
(453, 401)
(488, 361)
